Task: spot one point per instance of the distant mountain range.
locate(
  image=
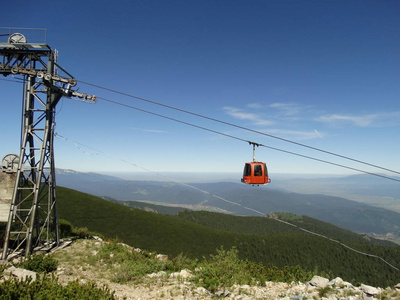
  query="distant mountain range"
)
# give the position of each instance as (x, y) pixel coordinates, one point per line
(241, 199)
(369, 189)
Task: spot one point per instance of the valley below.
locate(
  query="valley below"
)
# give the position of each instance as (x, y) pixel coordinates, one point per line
(373, 213)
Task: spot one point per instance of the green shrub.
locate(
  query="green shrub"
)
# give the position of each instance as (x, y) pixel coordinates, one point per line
(39, 263)
(46, 287)
(64, 228)
(287, 274)
(67, 230)
(81, 232)
(84, 233)
(181, 262)
(225, 269)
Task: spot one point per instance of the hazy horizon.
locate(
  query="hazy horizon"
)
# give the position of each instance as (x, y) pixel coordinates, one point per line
(206, 176)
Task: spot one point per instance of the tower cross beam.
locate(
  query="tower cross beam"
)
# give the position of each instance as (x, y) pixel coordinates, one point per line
(32, 220)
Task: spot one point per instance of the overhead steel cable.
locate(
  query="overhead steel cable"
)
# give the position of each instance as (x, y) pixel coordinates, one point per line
(240, 127)
(336, 241)
(247, 129)
(244, 140)
(170, 118)
(331, 163)
(13, 80)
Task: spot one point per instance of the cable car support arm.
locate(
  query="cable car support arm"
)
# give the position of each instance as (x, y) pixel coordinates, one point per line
(254, 150)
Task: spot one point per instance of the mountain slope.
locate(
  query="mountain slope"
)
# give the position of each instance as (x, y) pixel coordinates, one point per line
(352, 215)
(345, 213)
(266, 225)
(160, 209)
(173, 235)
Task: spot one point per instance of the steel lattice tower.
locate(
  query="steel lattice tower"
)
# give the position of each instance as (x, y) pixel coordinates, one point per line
(33, 221)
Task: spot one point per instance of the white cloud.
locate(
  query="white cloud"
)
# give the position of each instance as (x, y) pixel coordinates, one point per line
(382, 119)
(361, 121)
(318, 134)
(289, 109)
(276, 114)
(255, 105)
(297, 134)
(267, 114)
(150, 130)
(289, 119)
(241, 115)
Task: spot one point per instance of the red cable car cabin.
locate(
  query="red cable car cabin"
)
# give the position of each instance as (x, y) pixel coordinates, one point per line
(255, 173)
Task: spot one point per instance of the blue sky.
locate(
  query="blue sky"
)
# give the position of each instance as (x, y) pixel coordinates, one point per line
(322, 73)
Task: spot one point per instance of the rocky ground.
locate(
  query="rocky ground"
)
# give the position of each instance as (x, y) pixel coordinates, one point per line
(179, 286)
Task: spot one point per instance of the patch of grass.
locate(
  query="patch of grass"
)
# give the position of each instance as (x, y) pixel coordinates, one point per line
(120, 263)
(225, 269)
(324, 292)
(348, 293)
(39, 263)
(392, 294)
(46, 287)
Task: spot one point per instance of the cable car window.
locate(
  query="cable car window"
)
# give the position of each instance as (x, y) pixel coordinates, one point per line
(247, 170)
(257, 170)
(266, 170)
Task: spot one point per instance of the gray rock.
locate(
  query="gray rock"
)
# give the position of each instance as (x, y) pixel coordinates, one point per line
(319, 281)
(20, 274)
(347, 284)
(224, 293)
(157, 275)
(201, 290)
(336, 282)
(369, 290)
(162, 257)
(185, 274)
